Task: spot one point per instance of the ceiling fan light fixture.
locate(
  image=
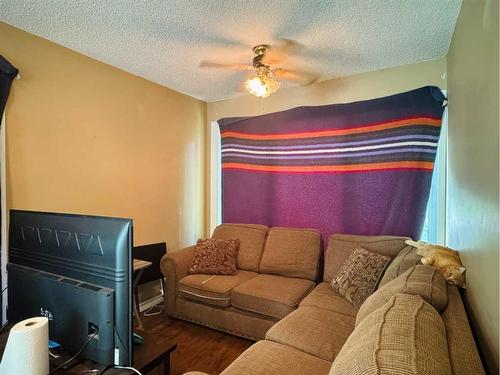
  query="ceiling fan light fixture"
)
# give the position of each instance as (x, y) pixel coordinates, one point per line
(266, 77)
(262, 85)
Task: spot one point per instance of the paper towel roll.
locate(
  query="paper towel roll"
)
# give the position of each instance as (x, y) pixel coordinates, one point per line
(27, 350)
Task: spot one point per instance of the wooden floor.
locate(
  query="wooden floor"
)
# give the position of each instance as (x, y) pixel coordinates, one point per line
(198, 348)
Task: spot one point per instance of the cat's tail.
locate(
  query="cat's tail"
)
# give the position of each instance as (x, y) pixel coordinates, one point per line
(415, 244)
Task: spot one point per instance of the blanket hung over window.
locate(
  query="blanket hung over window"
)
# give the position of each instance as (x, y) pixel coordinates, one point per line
(359, 168)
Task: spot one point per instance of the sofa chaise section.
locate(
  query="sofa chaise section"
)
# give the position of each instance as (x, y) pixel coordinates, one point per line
(324, 335)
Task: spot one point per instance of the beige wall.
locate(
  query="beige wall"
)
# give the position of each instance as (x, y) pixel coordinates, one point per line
(472, 194)
(341, 90)
(84, 137)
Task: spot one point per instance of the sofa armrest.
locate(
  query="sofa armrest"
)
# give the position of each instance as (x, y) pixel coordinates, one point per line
(175, 266)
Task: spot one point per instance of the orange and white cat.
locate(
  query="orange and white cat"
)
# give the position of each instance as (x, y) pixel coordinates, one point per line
(445, 260)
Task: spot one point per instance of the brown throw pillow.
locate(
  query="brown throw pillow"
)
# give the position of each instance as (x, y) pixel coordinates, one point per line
(215, 257)
(359, 275)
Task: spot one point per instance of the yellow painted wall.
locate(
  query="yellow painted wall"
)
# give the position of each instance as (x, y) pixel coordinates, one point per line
(341, 90)
(84, 137)
(473, 166)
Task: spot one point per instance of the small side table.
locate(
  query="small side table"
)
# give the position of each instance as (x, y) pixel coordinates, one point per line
(139, 267)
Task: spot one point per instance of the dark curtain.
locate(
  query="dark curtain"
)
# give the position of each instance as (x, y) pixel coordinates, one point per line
(358, 168)
(7, 74)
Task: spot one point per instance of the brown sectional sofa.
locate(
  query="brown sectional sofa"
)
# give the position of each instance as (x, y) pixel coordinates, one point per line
(414, 321)
(277, 268)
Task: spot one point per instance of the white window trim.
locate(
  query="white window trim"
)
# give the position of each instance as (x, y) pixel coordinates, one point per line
(215, 176)
(436, 207)
(442, 165)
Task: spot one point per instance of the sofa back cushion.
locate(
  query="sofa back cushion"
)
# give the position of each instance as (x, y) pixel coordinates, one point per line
(252, 238)
(404, 336)
(424, 281)
(292, 252)
(406, 259)
(340, 246)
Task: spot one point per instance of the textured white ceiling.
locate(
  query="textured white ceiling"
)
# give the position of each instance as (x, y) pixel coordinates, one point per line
(164, 41)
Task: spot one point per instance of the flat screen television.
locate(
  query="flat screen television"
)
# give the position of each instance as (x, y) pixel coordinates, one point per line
(76, 270)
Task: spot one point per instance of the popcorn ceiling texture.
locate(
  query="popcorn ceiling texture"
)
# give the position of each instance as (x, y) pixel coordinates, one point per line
(164, 41)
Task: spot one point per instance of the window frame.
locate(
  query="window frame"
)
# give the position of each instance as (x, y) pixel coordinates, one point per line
(435, 217)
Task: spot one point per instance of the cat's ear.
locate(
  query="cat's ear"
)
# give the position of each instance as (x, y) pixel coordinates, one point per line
(461, 269)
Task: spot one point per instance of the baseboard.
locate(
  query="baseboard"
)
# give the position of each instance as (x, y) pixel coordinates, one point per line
(150, 303)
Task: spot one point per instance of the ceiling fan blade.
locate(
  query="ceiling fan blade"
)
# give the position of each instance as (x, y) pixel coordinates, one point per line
(279, 54)
(235, 66)
(304, 78)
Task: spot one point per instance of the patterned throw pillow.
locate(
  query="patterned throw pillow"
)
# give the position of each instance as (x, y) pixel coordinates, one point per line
(215, 257)
(359, 275)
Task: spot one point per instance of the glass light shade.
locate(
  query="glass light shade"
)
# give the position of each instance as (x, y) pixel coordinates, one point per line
(261, 85)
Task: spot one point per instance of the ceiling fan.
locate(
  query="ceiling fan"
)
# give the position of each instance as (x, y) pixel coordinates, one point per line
(264, 80)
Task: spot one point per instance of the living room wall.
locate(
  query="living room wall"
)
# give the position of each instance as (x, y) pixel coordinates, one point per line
(473, 165)
(341, 90)
(85, 137)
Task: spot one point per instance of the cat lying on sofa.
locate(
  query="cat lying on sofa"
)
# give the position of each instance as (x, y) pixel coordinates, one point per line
(445, 260)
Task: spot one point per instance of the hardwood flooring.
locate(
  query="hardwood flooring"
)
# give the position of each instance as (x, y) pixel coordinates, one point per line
(198, 348)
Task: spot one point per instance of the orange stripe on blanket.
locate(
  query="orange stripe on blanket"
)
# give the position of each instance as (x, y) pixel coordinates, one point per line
(421, 165)
(326, 133)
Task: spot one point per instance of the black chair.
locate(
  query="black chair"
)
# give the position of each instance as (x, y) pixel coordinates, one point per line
(152, 253)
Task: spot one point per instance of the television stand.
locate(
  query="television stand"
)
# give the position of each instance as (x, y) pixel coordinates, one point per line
(154, 352)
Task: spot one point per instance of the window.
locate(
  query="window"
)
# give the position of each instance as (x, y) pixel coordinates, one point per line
(215, 177)
(434, 225)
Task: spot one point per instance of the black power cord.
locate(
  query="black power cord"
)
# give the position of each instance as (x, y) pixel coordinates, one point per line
(76, 355)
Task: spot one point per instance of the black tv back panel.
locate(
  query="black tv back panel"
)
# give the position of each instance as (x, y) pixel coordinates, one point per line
(80, 268)
(44, 294)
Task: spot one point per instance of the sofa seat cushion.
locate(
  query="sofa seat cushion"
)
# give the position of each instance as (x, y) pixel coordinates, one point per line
(252, 238)
(292, 252)
(268, 357)
(404, 336)
(424, 281)
(315, 331)
(271, 295)
(324, 297)
(212, 289)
